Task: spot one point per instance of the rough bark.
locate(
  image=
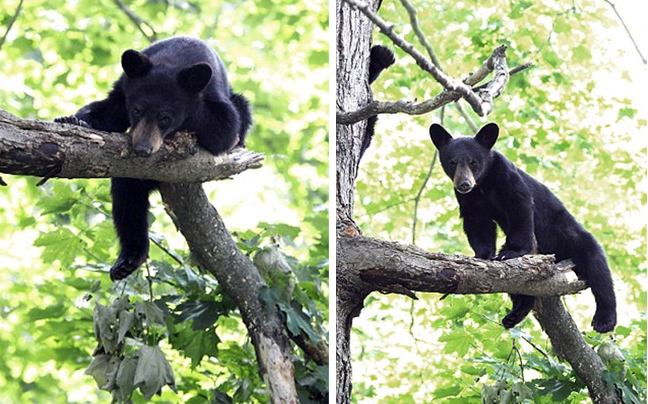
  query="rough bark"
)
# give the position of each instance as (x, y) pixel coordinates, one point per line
(48, 149)
(352, 91)
(215, 251)
(568, 341)
(385, 266)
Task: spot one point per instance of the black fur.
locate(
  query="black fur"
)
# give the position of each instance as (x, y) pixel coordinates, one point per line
(380, 59)
(491, 190)
(176, 84)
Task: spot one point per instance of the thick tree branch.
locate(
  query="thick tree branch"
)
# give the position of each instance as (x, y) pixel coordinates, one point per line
(565, 336)
(215, 251)
(481, 103)
(400, 268)
(47, 149)
(411, 107)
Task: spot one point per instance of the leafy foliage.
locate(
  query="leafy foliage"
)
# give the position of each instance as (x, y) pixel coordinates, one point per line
(572, 123)
(58, 242)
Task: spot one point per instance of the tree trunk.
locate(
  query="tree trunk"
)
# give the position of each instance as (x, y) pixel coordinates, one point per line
(215, 251)
(353, 45)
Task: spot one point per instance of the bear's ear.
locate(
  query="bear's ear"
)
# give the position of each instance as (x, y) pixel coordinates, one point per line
(487, 136)
(195, 78)
(135, 64)
(440, 137)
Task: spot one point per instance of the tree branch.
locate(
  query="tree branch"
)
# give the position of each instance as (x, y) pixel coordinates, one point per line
(481, 103)
(388, 267)
(643, 59)
(565, 336)
(48, 149)
(11, 23)
(139, 23)
(413, 108)
(392, 267)
(215, 251)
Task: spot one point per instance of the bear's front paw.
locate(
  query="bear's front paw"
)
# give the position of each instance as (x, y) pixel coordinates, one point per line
(510, 254)
(486, 256)
(604, 321)
(72, 120)
(124, 267)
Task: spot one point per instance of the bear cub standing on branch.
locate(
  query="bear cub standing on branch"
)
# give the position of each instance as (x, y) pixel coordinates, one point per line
(490, 190)
(176, 84)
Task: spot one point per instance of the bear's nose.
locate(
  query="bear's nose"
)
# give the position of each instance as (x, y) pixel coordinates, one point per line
(143, 151)
(464, 187)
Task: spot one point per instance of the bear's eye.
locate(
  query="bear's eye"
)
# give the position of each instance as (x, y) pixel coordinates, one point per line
(164, 121)
(137, 111)
(472, 164)
(452, 164)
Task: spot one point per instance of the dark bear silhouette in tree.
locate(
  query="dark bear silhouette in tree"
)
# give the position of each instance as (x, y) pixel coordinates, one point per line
(380, 58)
(176, 84)
(491, 190)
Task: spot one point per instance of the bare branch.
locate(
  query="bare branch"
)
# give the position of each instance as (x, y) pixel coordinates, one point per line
(416, 26)
(11, 23)
(481, 106)
(408, 107)
(48, 149)
(643, 59)
(414, 22)
(139, 22)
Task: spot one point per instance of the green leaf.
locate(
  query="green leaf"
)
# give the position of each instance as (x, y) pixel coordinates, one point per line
(153, 372)
(197, 344)
(60, 245)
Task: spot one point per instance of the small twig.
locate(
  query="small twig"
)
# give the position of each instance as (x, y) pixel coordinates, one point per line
(414, 22)
(643, 59)
(2, 182)
(519, 355)
(139, 22)
(417, 198)
(416, 26)
(11, 23)
(149, 279)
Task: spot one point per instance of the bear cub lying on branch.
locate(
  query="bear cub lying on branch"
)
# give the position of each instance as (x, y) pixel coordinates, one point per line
(176, 84)
(490, 190)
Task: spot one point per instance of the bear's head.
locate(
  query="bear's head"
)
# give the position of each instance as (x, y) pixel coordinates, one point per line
(465, 160)
(159, 99)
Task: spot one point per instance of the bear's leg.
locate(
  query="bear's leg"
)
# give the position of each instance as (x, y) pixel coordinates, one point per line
(243, 107)
(591, 265)
(522, 305)
(217, 126)
(482, 235)
(130, 214)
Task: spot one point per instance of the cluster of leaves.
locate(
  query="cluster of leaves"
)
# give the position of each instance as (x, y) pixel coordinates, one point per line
(120, 371)
(61, 55)
(561, 124)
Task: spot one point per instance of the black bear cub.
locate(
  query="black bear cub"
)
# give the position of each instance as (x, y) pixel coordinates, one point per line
(491, 190)
(176, 84)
